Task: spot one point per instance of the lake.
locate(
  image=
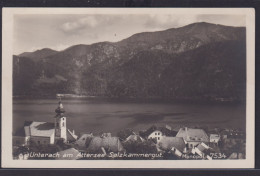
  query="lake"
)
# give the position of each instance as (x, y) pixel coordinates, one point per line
(103, 115)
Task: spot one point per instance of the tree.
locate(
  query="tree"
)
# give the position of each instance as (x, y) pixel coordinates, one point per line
(146, 133)
(123, 134)
(61, 144)
(20, 150)
(238, 148)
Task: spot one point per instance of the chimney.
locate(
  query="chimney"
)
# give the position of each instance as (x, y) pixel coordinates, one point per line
(186, 131)
(168, 127)
(103, 150)
(185, 150)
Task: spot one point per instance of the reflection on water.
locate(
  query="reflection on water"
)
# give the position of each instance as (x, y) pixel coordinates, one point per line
(86, 115)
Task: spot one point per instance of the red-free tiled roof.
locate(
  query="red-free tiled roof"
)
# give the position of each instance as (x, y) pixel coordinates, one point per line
(167, 143)
(191, 134)
(109, 143)
(43, 129)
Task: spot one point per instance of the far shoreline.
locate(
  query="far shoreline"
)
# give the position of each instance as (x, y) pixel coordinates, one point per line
(218, 101)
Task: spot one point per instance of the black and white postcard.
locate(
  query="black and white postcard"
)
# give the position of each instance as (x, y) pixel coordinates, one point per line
(128, 88)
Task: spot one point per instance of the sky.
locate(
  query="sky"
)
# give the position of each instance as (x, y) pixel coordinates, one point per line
(58, 32)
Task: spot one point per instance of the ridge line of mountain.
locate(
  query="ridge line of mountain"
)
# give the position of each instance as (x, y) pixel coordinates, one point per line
(200, 61)
(140, 33)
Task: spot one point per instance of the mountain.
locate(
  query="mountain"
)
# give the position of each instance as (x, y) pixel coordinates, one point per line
(197, 61)
(208, 72)
(38, 54)
(177, 40)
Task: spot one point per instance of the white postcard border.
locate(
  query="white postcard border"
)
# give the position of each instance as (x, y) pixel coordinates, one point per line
(7, 52)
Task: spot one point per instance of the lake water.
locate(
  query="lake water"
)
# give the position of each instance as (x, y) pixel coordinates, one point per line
(88, 115)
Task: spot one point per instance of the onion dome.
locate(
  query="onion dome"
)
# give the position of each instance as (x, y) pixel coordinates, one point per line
(60, 109)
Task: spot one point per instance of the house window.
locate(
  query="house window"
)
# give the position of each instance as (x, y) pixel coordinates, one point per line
(63, 124)
(191, 145)
(158, 133)
(155, 133)
(158, 138)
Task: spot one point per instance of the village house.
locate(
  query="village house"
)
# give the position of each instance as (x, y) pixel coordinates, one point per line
(202, 150)
(193, 137)
(214, 138)
(106, 135)
(84, 140)
(37, 132)
(105, 145)
(156, 135)
(69, 154)
(133, 138)
(224, 134)
(45, 132)
(159, 132)
(175, 145)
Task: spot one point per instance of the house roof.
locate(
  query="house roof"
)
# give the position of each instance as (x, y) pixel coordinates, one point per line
(42, 129)
(32, 128)
(191, 134)
(167, 143)
(167, 132)
(109, 143)
(71, 136)
(155, 131)
(83, 139)
(69, 154)
(134, 137)
(202, 147)
(214, 136)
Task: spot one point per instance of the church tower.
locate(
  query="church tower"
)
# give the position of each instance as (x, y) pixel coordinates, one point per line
(60, 123)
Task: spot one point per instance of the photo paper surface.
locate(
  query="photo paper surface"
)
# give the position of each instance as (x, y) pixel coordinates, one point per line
(128, 88)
